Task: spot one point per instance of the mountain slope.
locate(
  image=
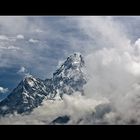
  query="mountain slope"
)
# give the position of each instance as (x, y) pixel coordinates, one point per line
(69, 78)
(29, 94)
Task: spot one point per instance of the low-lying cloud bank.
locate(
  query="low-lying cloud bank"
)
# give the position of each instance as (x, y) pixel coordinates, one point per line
(77, 107)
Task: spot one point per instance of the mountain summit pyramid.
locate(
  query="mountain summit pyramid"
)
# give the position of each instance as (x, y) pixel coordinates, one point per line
(31, 91)
(70, 78)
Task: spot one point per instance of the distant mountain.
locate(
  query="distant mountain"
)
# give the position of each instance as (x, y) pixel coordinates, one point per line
(31, 91)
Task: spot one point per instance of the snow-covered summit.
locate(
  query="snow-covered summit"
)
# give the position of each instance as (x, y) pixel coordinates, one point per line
(70, 78)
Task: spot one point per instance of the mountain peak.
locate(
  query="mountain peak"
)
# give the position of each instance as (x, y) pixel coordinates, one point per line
(28, 95)
(75, 60)
(70, 78)
(29, 80)
(28, 76)
(75, 56)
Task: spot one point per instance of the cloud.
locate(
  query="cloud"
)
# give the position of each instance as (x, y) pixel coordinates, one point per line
(33, 40)
(76, 106)
(104, 31)
(23, 71)
(38, 30)
(3, 90)
(113, 71)
(13, 24)
(20, 36)
(13, 47)
(3, 37)
(33, 53)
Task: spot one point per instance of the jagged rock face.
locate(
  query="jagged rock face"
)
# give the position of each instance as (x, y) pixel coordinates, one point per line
(31, 91)
(28, 95)
(69, 78)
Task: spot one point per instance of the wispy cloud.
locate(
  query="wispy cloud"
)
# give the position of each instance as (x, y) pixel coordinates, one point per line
(3, 90)
(22, 71)
(33, 40)
(20, 36)
(3, 37)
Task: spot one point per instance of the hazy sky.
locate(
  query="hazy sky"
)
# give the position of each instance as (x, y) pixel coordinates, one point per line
(37, 44)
